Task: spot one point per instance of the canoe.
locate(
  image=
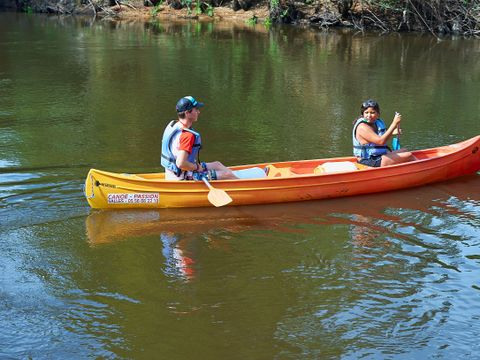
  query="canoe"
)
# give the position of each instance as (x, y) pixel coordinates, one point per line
(285, 182)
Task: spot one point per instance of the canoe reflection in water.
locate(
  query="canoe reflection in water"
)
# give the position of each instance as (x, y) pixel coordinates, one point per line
(374, 222)
(109, 227)
(179, 230)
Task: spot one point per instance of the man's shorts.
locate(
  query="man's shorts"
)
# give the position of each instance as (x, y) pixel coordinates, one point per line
(191, 175)
(197, 175)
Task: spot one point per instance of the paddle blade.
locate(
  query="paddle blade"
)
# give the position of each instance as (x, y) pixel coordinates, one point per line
(219, 197)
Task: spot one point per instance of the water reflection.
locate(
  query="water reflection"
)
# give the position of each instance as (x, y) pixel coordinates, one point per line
(177, 263)
(386, 275)
(400, 280)
(36, 195)
(453, 198)
(407, 222)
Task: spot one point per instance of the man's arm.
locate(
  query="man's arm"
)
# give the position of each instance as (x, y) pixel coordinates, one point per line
(183, 163)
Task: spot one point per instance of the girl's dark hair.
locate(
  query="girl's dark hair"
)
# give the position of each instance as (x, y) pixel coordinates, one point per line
(369, 103)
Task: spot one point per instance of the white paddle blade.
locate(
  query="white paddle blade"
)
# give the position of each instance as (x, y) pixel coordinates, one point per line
(219, 197)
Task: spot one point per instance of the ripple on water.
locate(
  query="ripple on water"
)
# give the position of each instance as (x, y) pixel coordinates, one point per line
(408, 279)
(29, 198)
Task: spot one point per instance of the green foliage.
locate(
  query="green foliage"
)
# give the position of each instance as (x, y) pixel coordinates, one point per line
(209, 11)
(268, 23)
(198, 9)
(275, 10)
(252, 21)
(156, 9)
(187, 4)
(390, 5)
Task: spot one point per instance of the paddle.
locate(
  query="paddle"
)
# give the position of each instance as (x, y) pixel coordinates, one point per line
(217, 197)
(396, 140)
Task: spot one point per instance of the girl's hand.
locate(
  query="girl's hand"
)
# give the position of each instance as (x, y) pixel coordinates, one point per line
(397, 118)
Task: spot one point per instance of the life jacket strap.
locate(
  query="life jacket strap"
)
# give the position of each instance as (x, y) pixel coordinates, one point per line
(168, 158)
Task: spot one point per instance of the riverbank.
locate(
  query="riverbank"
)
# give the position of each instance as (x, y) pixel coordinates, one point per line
(145, 13)
(449, 17)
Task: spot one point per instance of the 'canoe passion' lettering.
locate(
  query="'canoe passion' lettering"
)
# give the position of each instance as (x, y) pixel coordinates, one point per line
(141, 198)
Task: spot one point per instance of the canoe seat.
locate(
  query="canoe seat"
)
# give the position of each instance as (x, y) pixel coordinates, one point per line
(361, 166)
(336, 167)
(325, 168)
(274, 171)
(250, 173)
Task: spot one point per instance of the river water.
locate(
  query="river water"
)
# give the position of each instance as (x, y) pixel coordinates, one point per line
(387, 276)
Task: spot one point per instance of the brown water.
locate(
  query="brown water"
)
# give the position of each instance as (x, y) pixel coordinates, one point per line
(388, 276)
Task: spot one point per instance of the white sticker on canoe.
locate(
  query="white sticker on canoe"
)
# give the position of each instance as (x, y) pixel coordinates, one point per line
(139, 198)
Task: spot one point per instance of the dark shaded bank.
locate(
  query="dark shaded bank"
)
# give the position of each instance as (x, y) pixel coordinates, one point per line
(434, 16)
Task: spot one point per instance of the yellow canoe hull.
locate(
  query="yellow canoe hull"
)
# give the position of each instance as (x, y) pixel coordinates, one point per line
(287, 181)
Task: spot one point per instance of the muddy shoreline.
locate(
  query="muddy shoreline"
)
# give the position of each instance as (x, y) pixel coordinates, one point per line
(452, 17)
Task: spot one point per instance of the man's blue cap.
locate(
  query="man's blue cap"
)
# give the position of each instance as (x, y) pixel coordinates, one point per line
(187, 103)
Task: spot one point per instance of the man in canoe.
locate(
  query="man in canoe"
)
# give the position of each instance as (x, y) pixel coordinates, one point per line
(370, 137)
(181, 146)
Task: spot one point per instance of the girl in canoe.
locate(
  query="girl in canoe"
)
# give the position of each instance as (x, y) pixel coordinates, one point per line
(370, 137)
(181, 146)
